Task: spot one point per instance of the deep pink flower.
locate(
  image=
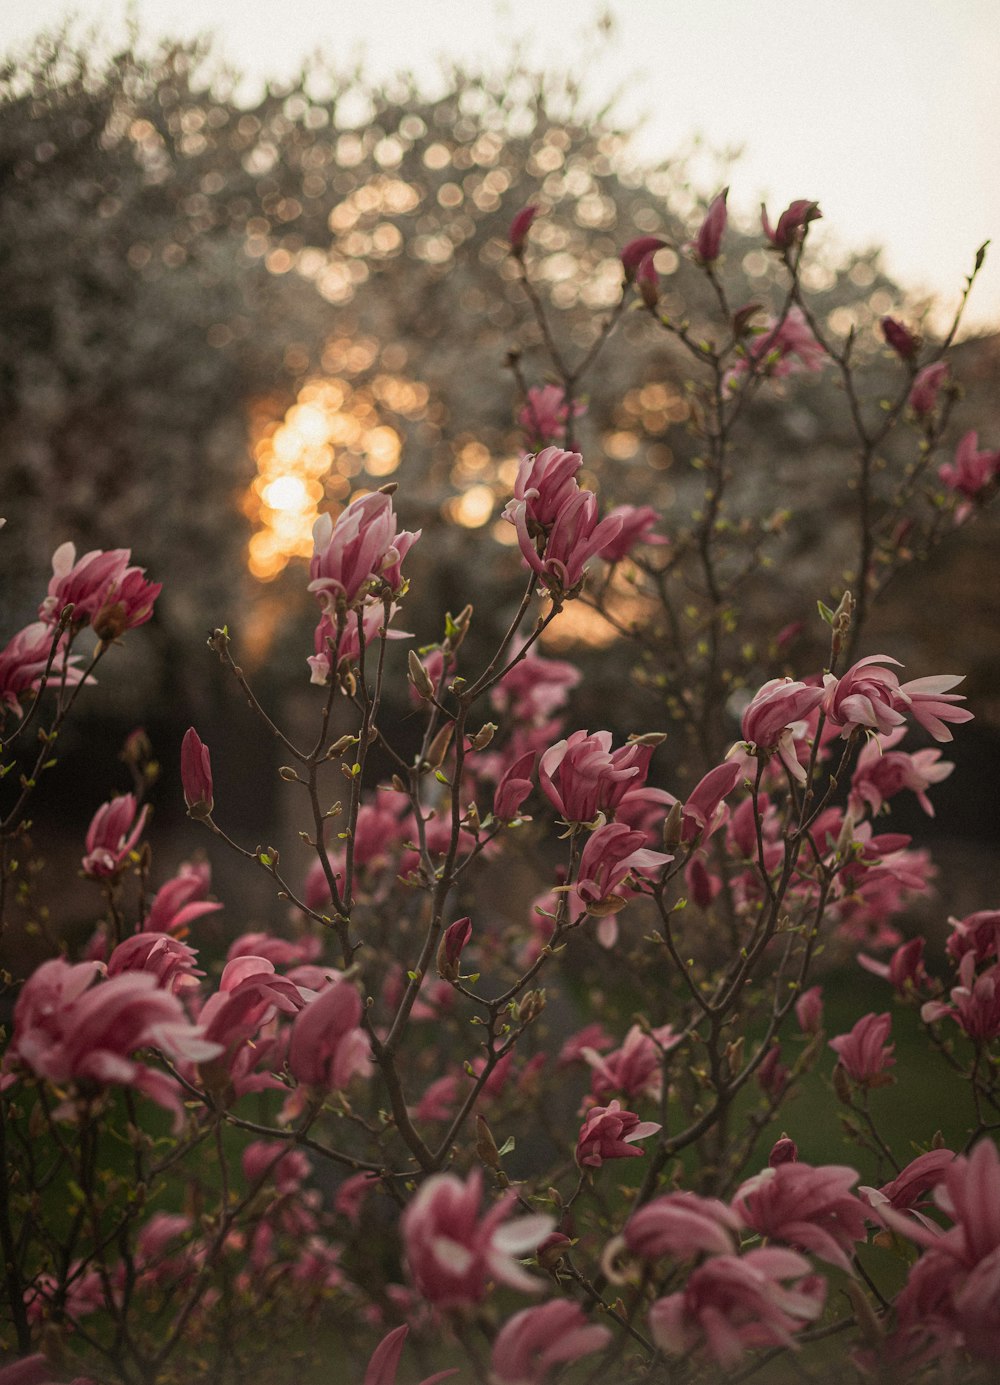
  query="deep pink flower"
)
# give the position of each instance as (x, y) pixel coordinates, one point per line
(113, 832)
(636, 251)
(811, 1209)
(250, 993)
(704, 811)
(635, 1069)
(535, 688)
(647, 281)
(975, 1004)
(881, 772)
(809, 1010)
(544, 483)
(181, 900)
(708, 242)
(681, 1225)
(453, 943)
(169, 960)
(783, 1151)
(327, 1047)
(582, 775)
(785, 347)
(768, 720)
(922, 1174)
(347, 650)
(359, 552)
(637, 522)
(872, 697)
(95, 586)
(905, 970)
(610, 1133)
(520, 227)
(545, 414)
(196, 775)
(734, 1303)
(514, 787)
(385, 1358)
(905, 343)
(533, 1341)
(452, 1252)
(971, 472)
(926, 388)
(24, 659)
(611, 854)
(863, 1053)
(792, 223)
(978, 933)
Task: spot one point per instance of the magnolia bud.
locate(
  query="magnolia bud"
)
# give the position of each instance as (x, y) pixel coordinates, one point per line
(483, 736)
(486, 1146)
(419, 677)
(196, 775)
(450, 948)
(520, 227)
(439, 747)
(673, 826)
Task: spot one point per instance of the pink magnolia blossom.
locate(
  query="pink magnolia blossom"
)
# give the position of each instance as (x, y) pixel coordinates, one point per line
(560, 554)
(811, 1209)
(181, 900)
(978, 933)
(732, 1304)
(637, 523)
(327, 1047)
(772, 1074)
(23, 662)
(708, 242)
(809, 1010)
(975, 1003)
(169, 960)
(610, 1133)
(385, 1359)
(792, 223)
(535, 1340)
(636, 1068)
(970, 473)
(453, 943)
(452, 1252)
(636, 251)
(360, 551)
(926, 387)
(704, 810)
(545, 481)
(682, 1225)
(785, 347)
(871, 696)
(863, 1053)
(881, 772)
(196, 775)
(905, 970)
(545, 414)
(68, 1030)
(534, 688)
(514, 787)
(767, 723)
(582, 776)
(905, 343)
(612, 853)
(783, 1151)
(907, 1190)
(347, 650)
(647, 281)
(250, 993)
(102, 589)
(114, 830)
(520, 227)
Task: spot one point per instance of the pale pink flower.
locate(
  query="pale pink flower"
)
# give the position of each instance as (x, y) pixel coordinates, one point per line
(809, 1010)
(545, 414)
(732, 1304)
(113, 832)
(535, 1340)
(181, 900)
(358, 553)
(927, 386)
(905, 970)
(871, 696)
(811, 1209)
(535, 688)
(544, 482)
(768, 720)
(613, 853)
(681, 1225)
(102, 589)
(24, 659)
(169, 960)
(792, 223)
(704, 809)
(347, 650)
(708, 242)
(785, 347)
(637, 523)
(560, 554)
(906, 1191)
(882, 772)
(978, 933)
(610, 1133)
(514, 787)
(452, 1252)
(327, 1047)
(863, 1053)
(196, 775)
(970, 473)
(635, 1069)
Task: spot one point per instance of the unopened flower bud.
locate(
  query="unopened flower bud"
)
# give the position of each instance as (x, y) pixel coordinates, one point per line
(486, 1146)
(743, 317)
(458, 627)
(449, 954)
(419, 677)
(647, 281)
(635, 252)
(483, 736)
(196, 775)
(673, 826)
(439, 747)
(520, 227)
(110, 622)
(905, 343)
(784, 1151)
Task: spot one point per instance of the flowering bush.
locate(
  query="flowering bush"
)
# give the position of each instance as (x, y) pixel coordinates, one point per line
(375, 1139)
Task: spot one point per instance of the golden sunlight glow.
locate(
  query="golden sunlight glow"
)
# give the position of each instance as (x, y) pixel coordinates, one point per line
(472, 509)
(333, 432)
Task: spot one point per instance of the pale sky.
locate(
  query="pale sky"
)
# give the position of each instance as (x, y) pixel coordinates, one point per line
(887, 112)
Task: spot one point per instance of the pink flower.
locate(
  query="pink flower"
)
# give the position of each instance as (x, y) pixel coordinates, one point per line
(637, 521)
(514, 787)
(926, 388)
(735, 1303)
(921, 1175)
(872, 697)
(703, 808)
(347, 650)
(113, 832)
(181, 900)
(520, 227)
(783, 1151)
(975, 1004)
(792, 223)
(863, 1053)
(196, 775)
(905, 969)
(545, 414)
(682, 1225)
(250, 992)
(535, 688)
(978, 933)
(582, 775)
(768, 720)
(971, 472)
(358, 553)
(905, 343)
(880, 773)
(452, 1253)
(647, 281)
(384, 1361)
(544, 483)
(453, 943)
(707, 243)
(811, 1209)
(809, 1010)
(610, 1133)
(785, 347)
(613, 853)
(635, 1069)
(636, 251)
(327, 1047)
(24, 659)
(169, 960)
(533, 1341)
(102, 589)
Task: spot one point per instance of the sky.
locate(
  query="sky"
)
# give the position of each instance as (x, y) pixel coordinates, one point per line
(886, 112)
